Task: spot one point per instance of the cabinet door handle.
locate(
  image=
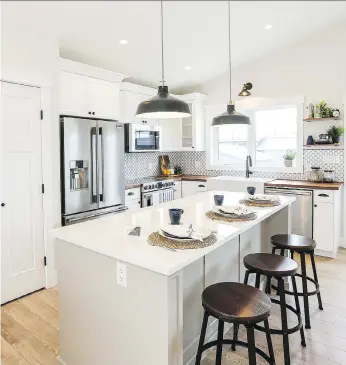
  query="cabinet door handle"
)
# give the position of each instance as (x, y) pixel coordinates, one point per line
(93, 113)
(315, 205)
(89, 112)
(2, 204)
(201, 186)
(130, 193)
(324, 195)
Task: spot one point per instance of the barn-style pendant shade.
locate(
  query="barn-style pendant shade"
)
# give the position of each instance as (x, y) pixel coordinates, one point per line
(230, 116)
(163, 105)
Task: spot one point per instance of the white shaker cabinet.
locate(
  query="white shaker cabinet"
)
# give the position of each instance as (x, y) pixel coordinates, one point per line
(133, 198)
(177, 189)
(74, 94)
(327, 215)
(85, 96)
(103, 99)
(193, 187)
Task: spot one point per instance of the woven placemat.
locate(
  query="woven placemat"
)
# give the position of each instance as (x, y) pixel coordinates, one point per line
(157, 240)
(250, 203)
(219, 217)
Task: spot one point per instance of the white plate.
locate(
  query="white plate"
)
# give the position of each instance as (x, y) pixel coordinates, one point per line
(234, 209)
(174, 238)
(263, 198)
(183, 232)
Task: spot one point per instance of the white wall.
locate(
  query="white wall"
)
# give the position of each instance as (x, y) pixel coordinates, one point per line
(30, 56)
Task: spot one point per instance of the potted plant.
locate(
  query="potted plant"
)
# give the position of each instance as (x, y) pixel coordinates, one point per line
(324, 110)
(335, 133)
(288, 157)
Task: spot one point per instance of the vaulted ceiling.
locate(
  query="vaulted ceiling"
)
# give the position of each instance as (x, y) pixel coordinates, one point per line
(195, 33)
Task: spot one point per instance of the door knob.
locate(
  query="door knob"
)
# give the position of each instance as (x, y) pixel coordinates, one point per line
(2, 204)
(315, 205)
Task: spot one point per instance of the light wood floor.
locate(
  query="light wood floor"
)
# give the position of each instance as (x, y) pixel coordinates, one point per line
(29, 327)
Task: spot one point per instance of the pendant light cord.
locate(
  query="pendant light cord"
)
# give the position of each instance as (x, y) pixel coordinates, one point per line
(229, 51)
(162, 60)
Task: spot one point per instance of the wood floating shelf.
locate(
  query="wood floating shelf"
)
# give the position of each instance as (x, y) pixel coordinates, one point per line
(323, 147)
(320, 119)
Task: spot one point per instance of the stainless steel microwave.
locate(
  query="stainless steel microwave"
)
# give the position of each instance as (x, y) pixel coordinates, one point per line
(142, 138)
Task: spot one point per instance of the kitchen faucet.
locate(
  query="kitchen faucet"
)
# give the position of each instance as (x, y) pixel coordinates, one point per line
(248, 165)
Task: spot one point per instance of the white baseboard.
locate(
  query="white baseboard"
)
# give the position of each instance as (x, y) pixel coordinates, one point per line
(342, 242)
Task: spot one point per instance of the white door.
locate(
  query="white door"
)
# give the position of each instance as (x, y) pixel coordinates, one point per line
(323, 232)
(103, 99)
(22, 245)
(74, 94)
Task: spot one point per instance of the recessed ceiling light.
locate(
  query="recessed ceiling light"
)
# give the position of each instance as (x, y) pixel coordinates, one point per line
(187, 68)
(124, 41)
(268, 26)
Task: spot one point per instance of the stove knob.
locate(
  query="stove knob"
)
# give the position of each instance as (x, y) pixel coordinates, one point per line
(145, 188)
(155, 186)
(150, 186)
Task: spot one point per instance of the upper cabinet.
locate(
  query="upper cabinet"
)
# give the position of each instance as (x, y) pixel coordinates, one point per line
(192, 128)
(73, 94)
(103, 99)
(85, 96)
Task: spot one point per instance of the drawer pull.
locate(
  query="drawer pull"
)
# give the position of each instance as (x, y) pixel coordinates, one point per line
(201, 186)
(315, 205)
(324, 195)
(130, 193)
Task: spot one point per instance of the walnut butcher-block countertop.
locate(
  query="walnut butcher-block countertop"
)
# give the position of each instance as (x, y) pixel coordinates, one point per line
(137, 183)
(305, 184)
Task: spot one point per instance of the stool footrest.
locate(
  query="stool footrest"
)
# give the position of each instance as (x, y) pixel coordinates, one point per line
(300, 294)
(291, 330)
(238, 343)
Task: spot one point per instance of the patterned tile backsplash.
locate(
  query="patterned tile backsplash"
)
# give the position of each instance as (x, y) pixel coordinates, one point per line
(139, 165)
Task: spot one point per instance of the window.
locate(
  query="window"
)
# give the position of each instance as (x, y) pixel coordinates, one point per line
(275, 129)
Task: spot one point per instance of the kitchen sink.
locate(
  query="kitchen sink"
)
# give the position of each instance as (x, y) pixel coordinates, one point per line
(237, 183)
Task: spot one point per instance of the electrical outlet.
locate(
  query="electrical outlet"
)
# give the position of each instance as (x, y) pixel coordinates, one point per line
(121, 274)
(197, 164)
(336, 159)
(331, 159)
(150, 165)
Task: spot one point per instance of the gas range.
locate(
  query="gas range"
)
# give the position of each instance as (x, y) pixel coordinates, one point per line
(156, 192)
(156, 185)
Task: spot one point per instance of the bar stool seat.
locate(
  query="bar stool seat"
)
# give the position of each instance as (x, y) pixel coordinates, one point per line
(236, 302)
(303, 246)
(239, 304)
(270, 265)
(293, 242)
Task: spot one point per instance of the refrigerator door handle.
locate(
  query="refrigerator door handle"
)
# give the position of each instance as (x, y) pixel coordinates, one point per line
(100, 154)
(93, 166)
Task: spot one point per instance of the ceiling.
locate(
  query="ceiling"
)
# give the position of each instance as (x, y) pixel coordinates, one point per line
(195, 33)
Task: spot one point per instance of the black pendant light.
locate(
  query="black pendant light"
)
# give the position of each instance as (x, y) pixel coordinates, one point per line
(230, 116)
(245, 91)
(163, 105)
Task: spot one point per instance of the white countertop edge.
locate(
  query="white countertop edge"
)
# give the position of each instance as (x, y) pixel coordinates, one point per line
(165, 254)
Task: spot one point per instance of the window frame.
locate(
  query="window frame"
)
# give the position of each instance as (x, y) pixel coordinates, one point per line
(254, 104)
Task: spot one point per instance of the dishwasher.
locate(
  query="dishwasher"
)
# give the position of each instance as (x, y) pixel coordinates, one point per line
(302, 216)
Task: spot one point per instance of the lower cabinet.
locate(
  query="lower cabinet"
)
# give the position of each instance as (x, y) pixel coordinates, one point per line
(133, 198)
(193, 187)
(327, 221)
(177, 190)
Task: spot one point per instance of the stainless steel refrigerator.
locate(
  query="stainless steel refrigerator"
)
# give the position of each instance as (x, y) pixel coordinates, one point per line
(92, 168)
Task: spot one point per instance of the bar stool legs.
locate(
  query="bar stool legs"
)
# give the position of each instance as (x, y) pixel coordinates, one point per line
(219, 346)
(281, 286)
(312, 256)
(251, 343)
(305, 292)
(202, 338)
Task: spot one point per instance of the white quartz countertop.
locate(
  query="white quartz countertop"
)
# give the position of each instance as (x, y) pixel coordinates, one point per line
(109, 235)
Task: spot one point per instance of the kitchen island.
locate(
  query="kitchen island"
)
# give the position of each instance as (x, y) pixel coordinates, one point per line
(124, 301)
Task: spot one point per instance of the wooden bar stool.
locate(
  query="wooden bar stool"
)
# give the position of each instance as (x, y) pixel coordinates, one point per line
(278, 267)
(239, 304)
(302, 246)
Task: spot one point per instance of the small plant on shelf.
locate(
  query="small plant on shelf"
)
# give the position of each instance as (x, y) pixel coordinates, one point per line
(288, 157)
(324, 110)
(335, 133)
